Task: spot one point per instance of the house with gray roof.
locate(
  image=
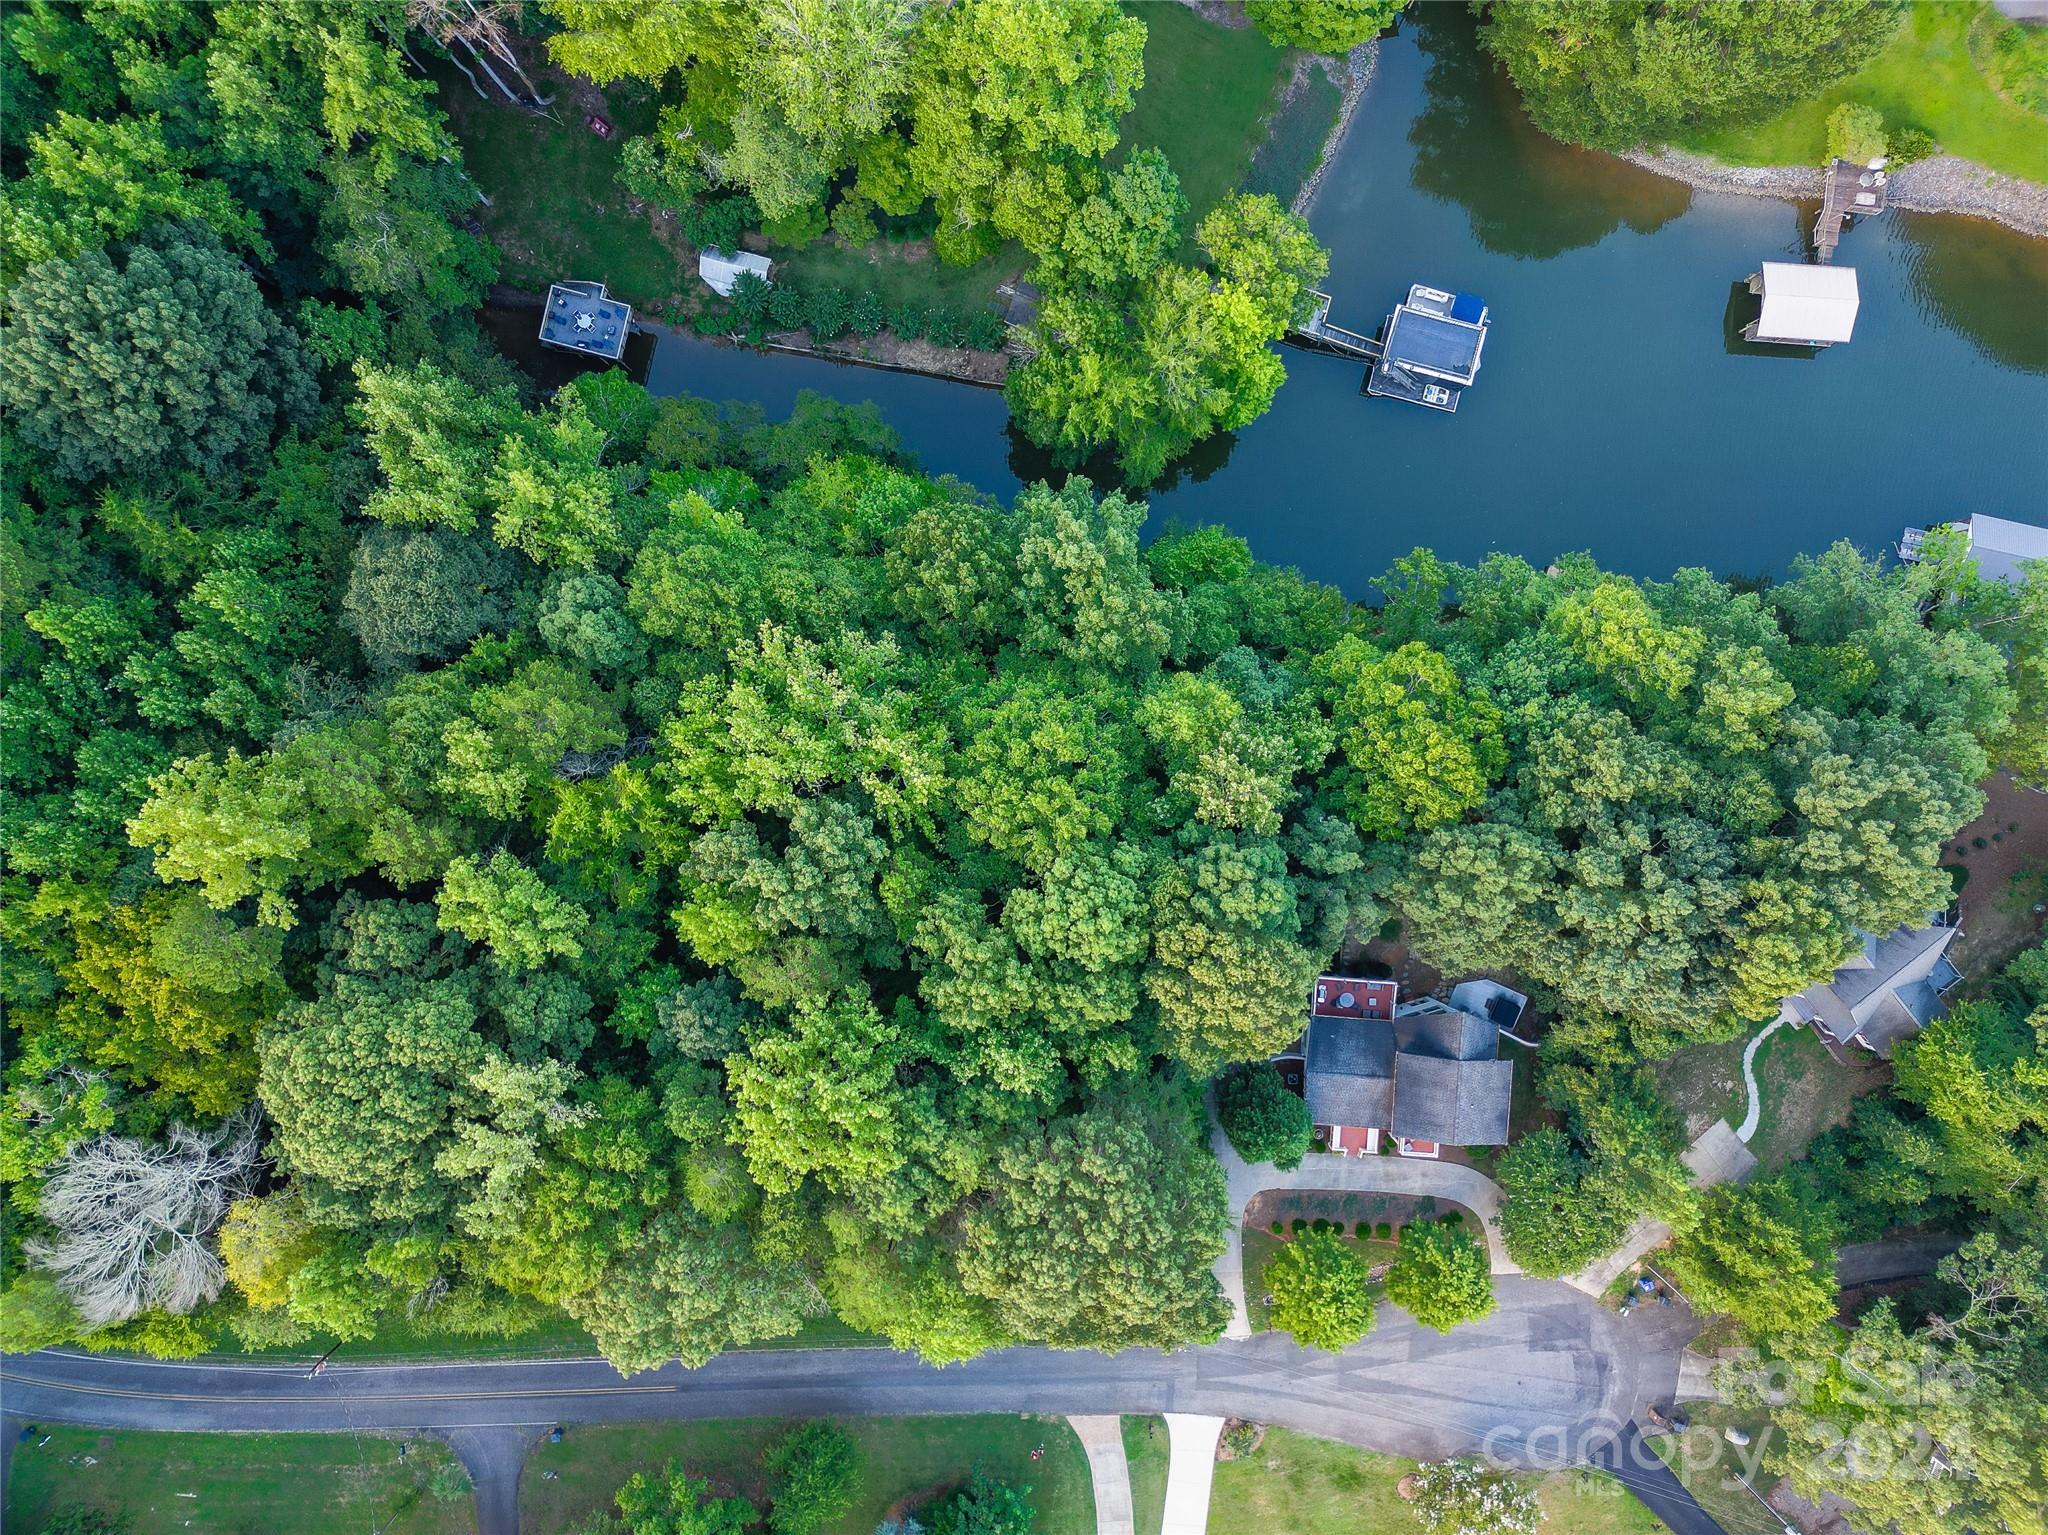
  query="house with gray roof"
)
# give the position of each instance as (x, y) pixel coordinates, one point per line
(1887, 991)
(1431, 1075)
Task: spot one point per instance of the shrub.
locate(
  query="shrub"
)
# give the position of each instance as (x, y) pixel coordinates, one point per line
(1910, 144)
(787, 307)
(853, 219)
(1855, 132)
(750, 298)
(1241, 1438)
(986, 331)
(718, 222)
(825, 313)
(1470, 1496)
(1978, 842)
(449, 1483)
(1383, 1231)
(1278, 1227)
(864, 314)
(1265, 1122)
(907, 321)
(984, 1506)
(797, 229)
(1364, 1230)
(1298, 1225)
(944, 328)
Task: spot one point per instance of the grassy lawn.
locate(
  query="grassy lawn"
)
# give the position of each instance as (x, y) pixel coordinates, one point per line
(1295, 1484)
(906, 1458)
(1207, 91)
(1804, 1091)
(1709, 1465)
(557, 209)
(1145, 1447)
(1704, 1083)
(1927, 78)
(235, 1484)
(902, 274)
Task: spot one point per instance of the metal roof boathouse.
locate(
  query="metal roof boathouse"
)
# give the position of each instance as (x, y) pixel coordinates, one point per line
(1429, 352)
(583, 317)
(1803, 305)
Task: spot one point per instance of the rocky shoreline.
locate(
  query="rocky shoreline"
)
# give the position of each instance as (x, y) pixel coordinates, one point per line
(1940, 184)
(1358, 66)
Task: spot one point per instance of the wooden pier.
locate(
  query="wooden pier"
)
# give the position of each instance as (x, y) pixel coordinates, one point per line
(1851, 191)
(1317, 333)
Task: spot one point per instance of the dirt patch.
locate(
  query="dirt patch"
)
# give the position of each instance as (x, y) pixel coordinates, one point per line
(1417, 976)
(2005, 901)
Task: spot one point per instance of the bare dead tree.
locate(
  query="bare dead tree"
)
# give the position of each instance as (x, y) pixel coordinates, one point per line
(134, 1218)
(480, 31)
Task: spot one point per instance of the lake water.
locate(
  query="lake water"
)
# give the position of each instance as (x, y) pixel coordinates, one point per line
(1616, 410)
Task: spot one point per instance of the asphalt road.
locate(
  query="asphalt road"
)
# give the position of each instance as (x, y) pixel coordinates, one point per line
(1550, 1379)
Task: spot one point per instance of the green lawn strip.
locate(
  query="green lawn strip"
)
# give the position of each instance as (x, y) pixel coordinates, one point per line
(1296, 1484)
(901, 274)
(1259, 1247)
(1206, 95)
(1147, 1450)
(1805, 1090)
(1926, 78)
(1294, 143)
(904, 1458)
(241, 1484)
(557, 210)
(398, 1341)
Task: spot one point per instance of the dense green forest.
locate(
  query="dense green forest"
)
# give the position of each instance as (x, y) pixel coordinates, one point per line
(473, 858)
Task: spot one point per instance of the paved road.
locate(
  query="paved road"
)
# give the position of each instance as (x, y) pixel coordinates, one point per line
(1547, 1380)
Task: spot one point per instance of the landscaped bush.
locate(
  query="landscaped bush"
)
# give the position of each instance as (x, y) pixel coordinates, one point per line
(1383, 1231)
(1910, 144)
(1265, 1122)
(908, 321)
(825, 311)
(718, 222)
(749, 300)
(1299, 1225)
(1364, 1230)
(1241, 1438)
(787, 307)
(1278, 1227)
(1319, 1224)
(864, 315)
(1978, 842)
(986, 331)
(945, 328)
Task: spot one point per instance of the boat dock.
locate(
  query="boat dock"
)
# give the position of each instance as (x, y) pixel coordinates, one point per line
(1851, 191)
(1427, 353)
(1317, 333)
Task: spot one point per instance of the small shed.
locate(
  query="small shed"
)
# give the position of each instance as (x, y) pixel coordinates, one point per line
(583, 317)
(1803, 305)
(721, 271)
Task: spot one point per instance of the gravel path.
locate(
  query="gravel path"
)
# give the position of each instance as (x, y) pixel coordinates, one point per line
(1940, 184)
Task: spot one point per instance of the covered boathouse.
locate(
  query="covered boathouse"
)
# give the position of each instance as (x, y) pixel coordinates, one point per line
(582, 317)
(1429, 351)
(1803, 305)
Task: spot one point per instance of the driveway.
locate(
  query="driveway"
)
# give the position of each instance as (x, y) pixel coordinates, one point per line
(1450, 1182)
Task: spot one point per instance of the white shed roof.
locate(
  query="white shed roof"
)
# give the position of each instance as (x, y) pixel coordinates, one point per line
(2000, 544)
(721, 270)
(1807, 303)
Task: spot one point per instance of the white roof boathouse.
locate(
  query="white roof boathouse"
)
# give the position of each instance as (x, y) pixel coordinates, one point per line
(1803, 305)
(721, 269)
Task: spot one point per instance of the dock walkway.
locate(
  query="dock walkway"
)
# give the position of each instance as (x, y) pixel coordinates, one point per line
(1318, 333)
(1851, 191)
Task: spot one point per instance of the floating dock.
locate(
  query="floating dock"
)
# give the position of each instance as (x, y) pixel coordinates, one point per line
(1803, 305)
(1427, 353)
(582, 317)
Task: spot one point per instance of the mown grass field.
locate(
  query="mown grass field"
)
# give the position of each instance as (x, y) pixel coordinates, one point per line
(235, 1484)
(1206, 95)
(1928, 77)
(1296, 1484)
(906, 1458)
(1146, 1451)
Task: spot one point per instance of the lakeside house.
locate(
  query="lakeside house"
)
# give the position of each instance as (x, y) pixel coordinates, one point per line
(583, 317)
(1887, 992)
(2000, 546)
(1428, 1072)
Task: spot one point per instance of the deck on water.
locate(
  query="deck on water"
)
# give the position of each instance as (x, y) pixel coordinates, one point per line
(1852, 191)
(1318, 333)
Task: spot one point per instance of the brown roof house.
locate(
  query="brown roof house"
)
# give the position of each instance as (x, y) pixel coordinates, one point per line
(1885, 993)
(1431, 1074)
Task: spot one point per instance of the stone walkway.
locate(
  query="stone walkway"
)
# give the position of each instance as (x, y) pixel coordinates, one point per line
(1451, 1182)
(1103, 1438)
(1753, 1116)
(1189, 1472)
